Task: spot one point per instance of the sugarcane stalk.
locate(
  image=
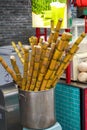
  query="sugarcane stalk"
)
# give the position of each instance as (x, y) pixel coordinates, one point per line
(43, 69)
(50, 39)
(36, 66)
(8, 69)
(77, 42)
(17, 51)
(64, 63)
(68, 58)
(40, 41)
(59, 73)
(16, 69)
(55, 33)
(25, 69)
(57, 62)
(74, 48)
(21, 46)
(50, 80)
(62, 68)
(43, 48)
(56, 56)
(57, 29)
(33, 41)
(30, 70)
(52, 25)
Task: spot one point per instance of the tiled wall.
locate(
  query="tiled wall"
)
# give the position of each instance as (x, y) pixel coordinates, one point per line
(68, 107)
(15, 21)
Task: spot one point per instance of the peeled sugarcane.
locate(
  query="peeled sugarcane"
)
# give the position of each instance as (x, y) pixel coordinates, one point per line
(21, 46)
(54, 34)
(18, 52)
(67, 59)
(25, 71)
(36, 67)
(8, 69)
(43, 68)
(17, 71)
(56, 56)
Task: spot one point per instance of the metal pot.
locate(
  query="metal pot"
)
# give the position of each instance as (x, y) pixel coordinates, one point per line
(37, 109)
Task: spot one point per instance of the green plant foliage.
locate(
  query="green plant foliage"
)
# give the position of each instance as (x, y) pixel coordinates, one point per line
(41, 5)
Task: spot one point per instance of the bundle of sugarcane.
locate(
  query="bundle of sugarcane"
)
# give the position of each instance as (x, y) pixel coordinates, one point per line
(57, 55)
(47, 63)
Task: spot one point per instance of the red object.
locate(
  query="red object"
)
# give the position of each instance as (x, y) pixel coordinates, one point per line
(80, 3)
(68, 70)
(38, 33)
(85, 24)
(68, 74)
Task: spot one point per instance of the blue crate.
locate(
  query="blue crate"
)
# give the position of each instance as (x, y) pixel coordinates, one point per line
(54, 127)
(67, 105)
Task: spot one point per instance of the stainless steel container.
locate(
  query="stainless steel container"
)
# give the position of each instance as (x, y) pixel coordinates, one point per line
(9, 108)
(37, 109)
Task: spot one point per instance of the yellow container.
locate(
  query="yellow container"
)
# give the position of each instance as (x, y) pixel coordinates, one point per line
(58, 11)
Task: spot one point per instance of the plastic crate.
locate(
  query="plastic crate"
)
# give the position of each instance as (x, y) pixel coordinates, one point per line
(54, 127)
(68, 106)
(71, 105)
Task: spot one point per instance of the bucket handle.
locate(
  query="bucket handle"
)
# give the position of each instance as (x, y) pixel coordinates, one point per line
(22, 95)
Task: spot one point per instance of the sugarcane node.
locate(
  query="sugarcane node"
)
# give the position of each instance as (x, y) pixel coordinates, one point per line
(52, 24)
(57, 30)
(64, 36)
(83, 34)
(37, 87)
(47, 53)
(60, 20)
(52, 31)
(40, 40)
(1, 59)
(21, 46)
(45, 45)
(37, 50)
(56, 54)
(37, 58)
(18, 74)
(43, 69)
(40, 79)
(26, 48)
(4, 64)
(12, 57)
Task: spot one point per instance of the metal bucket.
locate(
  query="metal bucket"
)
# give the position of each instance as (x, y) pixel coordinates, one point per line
(37, 109)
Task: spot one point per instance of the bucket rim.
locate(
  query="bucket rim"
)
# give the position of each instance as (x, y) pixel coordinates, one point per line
(42, 91)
